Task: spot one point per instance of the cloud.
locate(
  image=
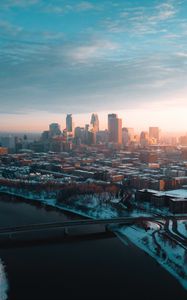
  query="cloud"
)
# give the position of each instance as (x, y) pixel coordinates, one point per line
(142, 20)
(8, 4)
(40, 77)
(56, 9)
(131, 58)
(68, 7)
(164, 11)
(85, 6)
(182, 54)
(95, 50)
(6, 28)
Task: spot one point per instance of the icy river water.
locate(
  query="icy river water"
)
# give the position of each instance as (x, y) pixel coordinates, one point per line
(98, 268)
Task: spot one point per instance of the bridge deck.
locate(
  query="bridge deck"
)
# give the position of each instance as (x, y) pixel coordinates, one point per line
(75, 223)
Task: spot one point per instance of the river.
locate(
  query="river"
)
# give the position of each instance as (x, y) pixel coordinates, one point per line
(97, 268)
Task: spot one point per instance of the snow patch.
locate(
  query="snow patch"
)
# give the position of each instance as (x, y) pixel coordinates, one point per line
(167, 253)
(182, 228)
(3, 283)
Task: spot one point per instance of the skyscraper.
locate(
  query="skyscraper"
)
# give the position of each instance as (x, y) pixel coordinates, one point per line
(115, 129)
(144, 139)
(88, 135)
(111, 126)
(69, 123)
(95, 122)
(154, 133)
(54, 129)
(127, 135)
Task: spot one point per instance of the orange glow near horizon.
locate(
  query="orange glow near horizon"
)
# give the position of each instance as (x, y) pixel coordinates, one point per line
(171, 120)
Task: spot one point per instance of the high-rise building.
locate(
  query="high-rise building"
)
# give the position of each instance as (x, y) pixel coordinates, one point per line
(95, 122)
(144, 138)
(69, 123)
(154, 133)
(79, 135)
(102, 136)
(111, 126)
(183, 140)
(8, 142)
(115, 129)
(45, 135)
(54, 129)
(119, 131)
(89, 135)
(127, 135)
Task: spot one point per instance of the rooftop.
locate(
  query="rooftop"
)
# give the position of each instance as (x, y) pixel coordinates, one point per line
(178, 200)
(179, 193)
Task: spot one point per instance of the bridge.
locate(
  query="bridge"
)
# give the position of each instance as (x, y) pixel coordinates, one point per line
(65, 225)
(82, 222)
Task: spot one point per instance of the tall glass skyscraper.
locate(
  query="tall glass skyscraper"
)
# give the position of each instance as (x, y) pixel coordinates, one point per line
(69, 123)
(95, 122)
(115, 129)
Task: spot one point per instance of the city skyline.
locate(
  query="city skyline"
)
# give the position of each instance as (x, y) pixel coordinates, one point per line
(79, 120)
(93, 149)
(84, 56)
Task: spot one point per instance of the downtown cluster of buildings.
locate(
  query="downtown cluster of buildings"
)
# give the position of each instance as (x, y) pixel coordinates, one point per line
(117, 155)
(115, 137)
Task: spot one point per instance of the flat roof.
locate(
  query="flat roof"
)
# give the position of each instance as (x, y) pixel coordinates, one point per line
(178, 200)
(179, 193)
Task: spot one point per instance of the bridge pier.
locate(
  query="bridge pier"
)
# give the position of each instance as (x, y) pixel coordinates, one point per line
(107, 229)
(10, 236)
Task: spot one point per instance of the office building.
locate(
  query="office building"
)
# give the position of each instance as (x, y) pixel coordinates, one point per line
(69, 123)
(95, 122)
(127, 135)
(115, 129)
(54, 130)
(154, 133)
(144, 139)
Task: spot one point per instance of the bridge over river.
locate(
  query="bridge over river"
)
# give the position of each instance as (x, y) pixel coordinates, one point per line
(41, 231)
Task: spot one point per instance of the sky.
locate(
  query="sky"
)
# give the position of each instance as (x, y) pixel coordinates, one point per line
(79, 57)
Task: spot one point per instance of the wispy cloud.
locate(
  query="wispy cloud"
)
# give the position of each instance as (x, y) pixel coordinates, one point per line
(182, 54)
(142, 20)
(165, 11)
(6, 28)
(7, 4)
(98, 49)
(68, 7)
(85, 6)
(55, 61)
(44, 72)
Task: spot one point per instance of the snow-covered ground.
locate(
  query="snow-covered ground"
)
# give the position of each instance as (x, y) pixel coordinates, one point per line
(93, 208)
(3, 283)
(166, 252)
(182, 228)
(90, 208)
(169, 255)
(28, 194)
(146, 206)
(48, 198)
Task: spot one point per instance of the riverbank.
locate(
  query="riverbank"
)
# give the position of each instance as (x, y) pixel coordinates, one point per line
(94, 211)
(174, 264)
(79, 269)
